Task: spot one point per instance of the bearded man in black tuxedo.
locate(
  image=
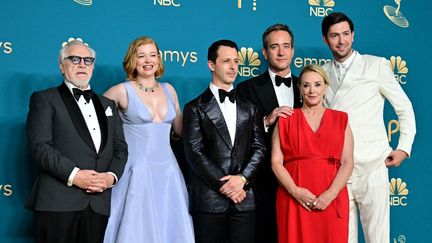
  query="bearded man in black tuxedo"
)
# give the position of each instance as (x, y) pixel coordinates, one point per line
(76, 136)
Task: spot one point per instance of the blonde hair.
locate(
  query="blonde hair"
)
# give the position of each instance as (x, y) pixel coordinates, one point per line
(316, 69)
(129, 61)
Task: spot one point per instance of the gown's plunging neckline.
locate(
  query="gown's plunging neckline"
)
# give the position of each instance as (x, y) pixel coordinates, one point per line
(143, 103)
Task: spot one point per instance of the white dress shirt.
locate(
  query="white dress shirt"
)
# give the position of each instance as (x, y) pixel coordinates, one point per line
(342, 68)
(284, 94)
(90, 117)
(229, 111)
(89, 113)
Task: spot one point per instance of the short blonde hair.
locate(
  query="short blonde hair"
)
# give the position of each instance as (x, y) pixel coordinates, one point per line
(130, 63)
(316, 69)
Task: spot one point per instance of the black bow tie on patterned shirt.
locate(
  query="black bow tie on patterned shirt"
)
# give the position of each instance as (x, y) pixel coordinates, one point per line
(87, 94)
(231, 95)
(279, 80)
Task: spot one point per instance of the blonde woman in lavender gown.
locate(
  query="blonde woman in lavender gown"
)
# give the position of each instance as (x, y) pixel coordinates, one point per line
(150, 202)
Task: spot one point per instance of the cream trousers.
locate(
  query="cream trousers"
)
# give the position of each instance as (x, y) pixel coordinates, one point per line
(369, 196)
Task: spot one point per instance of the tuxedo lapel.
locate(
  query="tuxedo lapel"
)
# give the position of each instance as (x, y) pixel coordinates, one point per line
(332, 90)
(242, 118)
(297, 101)
(210, 106)
(349, 80)
(102, 119)
(76, 115)
(265, 92)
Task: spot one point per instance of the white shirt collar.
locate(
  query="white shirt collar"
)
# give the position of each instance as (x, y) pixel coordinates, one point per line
(272, 76)
(71, 86)
(347, 62)
(215, 91)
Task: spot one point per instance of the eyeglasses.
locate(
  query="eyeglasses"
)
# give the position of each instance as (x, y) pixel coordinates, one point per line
(88, 61)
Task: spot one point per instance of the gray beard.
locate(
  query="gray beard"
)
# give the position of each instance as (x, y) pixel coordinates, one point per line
(82, 84)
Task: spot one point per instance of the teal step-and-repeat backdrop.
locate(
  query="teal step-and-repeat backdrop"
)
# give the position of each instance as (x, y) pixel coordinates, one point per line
(31, 33)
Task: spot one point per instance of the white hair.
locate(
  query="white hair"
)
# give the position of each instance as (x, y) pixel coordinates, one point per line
(63, 50)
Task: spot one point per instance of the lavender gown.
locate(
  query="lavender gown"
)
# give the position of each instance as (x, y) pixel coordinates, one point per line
(150, 202)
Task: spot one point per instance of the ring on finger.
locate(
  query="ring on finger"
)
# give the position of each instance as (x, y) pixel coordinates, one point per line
(308, 203)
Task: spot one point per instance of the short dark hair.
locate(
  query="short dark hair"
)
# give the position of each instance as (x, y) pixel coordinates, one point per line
(335, 18)
(276, 27)
(212, 50)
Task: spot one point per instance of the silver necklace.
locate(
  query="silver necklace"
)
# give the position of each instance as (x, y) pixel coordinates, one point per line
(150, 89)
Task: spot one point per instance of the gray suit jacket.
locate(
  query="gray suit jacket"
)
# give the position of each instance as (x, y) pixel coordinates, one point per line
(59, 141)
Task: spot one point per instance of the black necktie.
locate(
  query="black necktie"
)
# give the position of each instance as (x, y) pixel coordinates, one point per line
(87, 94)
(231, 95)
(279, 80)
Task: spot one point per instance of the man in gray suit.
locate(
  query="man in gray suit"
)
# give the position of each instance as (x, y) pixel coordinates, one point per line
(359, 86)
(76, 137)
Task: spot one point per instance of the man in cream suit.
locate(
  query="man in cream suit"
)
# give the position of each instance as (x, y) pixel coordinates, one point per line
(359, 86)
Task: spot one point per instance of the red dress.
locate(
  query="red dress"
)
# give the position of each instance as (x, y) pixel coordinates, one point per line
(312, 159)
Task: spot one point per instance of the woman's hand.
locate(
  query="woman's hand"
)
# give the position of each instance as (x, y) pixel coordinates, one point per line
(304, 197)
(323, 200)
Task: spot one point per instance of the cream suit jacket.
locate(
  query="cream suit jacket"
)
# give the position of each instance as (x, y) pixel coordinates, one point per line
(367, 83)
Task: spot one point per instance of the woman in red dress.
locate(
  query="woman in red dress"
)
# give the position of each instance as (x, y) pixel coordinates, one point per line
(312, 158)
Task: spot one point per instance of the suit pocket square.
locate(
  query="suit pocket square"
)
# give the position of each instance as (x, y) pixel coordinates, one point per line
(108, 111)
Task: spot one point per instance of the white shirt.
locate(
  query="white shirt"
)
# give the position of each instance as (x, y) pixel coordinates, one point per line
(342, 68)
(90, 117)
(229, 111)
(284, 94)
(89, 113)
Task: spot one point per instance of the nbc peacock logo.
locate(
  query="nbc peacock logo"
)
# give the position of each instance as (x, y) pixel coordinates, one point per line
(398, 192)
(249, 62)
(395, 15)
(399, 68)
(320, 8)
(84, 2)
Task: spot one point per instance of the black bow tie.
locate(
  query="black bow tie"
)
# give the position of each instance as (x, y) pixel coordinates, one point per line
(231, 95)
(87, 94)
(279, 80)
